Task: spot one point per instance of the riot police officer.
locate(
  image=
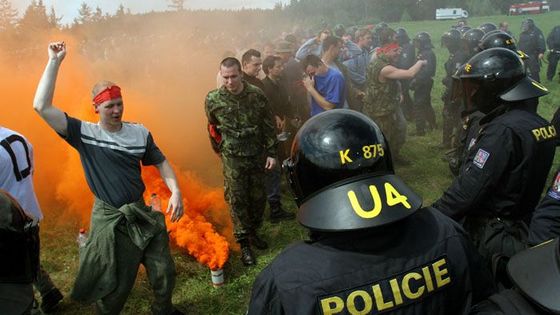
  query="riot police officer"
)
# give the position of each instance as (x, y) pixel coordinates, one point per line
(487, 27)
(406, 60)
(531, 42)
(508, 162)
(422, 84)
(535, 273)
(545, 222)
(372, 246)
(451, 110)
(553, 42)
(470, 128)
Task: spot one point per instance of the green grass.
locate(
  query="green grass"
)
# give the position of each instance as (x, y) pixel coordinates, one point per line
(194, 294)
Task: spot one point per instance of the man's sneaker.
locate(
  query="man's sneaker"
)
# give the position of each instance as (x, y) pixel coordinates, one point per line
(258, 242)
(247, 256)
(278, 214)
(51, 300)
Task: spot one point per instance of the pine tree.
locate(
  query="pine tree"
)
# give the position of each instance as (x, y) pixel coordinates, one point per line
(85, 14)
(54, 21)
(178, 5)
(35, 17)
(8, 16)
(97, 15)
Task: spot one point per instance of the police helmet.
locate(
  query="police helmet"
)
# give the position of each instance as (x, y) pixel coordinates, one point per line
(488, 27)
(536, 272)
(402, 36)
(493, 76)
(500, 39)
(341, 173)
(472, 38)
(451, 39)
(464, 29)
(527, 24)
(423, 40)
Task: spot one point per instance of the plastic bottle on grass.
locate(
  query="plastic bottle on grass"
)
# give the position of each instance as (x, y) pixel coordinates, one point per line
(82, 238)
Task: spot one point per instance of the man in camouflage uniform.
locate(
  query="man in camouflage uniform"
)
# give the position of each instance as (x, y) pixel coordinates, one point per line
(383, 94)
(242, 131)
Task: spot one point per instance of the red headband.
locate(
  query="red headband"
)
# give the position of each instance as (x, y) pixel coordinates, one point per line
(385, 49)
(107, 94)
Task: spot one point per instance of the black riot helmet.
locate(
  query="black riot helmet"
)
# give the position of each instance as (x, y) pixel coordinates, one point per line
(423, 40)
(501, 39)
(536, 273)
(492, 77)
(402, 36)
(464, 29)
(527, 25)
(451, 40)
(488, 27)
(341, 173)
(471, 39)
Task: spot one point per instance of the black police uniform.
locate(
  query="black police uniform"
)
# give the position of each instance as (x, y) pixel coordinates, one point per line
(535, 274)
(356, 271)
(422, 85)
(507, 302)
(406, 60)
(553, 42)
(532, 43)
(451, 110)
(508, 162)
(545, 223)
(373, 248)
(505, 170)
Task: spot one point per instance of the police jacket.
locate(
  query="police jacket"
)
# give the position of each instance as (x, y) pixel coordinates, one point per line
(532, 42)
(507, 302)
(553, 39)
(545, 222)
(505, 168)
(453, 63)
(423, 264)
(407, 57)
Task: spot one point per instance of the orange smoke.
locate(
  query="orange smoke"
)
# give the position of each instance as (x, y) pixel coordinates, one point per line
(160, 90)
(193, 232)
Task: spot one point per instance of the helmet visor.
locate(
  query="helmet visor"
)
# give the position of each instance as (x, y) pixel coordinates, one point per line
(462, 92)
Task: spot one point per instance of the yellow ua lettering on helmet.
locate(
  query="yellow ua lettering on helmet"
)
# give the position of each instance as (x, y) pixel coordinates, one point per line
(468, 67)
(392, 198)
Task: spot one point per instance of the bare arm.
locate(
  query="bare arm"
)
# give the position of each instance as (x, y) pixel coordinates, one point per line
(45, 90)
(393, 73)
(175, 204)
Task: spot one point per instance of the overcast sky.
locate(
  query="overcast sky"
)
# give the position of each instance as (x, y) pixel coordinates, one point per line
(69, 8)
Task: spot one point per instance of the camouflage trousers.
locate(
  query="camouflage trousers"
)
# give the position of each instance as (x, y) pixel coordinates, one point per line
(244, 182)
(393, 127)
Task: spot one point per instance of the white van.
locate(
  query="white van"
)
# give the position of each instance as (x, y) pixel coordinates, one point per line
(451, 14)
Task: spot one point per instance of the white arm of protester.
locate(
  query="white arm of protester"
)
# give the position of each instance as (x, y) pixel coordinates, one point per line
(45, 90)
(175, 204)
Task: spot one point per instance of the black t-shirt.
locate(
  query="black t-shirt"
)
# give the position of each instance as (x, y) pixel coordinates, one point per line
(111, 160)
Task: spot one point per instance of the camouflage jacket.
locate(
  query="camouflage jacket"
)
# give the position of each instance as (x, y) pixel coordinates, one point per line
(382, 98)
(244, 121)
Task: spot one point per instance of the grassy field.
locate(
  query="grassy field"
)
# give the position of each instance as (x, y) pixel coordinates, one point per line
(428, 175)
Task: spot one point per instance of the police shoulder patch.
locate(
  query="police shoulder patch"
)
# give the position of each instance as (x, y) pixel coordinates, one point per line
(480, 158)
(554, 191)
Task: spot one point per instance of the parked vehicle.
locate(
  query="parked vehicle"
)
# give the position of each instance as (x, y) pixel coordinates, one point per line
(451, 14)
(531, 7)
